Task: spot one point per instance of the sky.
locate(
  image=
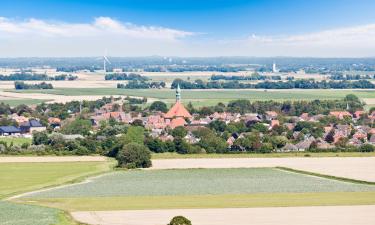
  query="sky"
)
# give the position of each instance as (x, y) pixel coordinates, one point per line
(298, 28)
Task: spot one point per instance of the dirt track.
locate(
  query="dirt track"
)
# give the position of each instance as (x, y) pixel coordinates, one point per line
(360, 168)
(321, 215)
(52, 159)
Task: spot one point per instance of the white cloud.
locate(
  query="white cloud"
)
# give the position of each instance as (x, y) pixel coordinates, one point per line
(35, 37)
(101, 26)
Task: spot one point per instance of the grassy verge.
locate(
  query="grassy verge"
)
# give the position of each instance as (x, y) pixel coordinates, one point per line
(327, 176)
(16, 178)
(208, 201)
(16, 140)
(173, 155)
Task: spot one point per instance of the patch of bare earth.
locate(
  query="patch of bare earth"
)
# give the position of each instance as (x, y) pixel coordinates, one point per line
(27, 159)
(359, 168)
(317, 215)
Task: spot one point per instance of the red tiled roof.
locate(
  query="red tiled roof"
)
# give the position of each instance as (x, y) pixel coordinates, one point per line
(178, 110)
(177, 122)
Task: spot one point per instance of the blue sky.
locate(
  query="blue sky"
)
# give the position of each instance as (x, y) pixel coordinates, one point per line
(190, 27)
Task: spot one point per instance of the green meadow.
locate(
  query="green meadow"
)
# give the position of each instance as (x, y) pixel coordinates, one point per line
(200, 188)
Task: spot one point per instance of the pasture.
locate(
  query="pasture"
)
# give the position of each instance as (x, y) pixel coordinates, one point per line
(16, 178)
(202, 188)
(205, 97)
(15, 140)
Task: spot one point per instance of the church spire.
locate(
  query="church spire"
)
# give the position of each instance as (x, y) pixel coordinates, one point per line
(178, 93)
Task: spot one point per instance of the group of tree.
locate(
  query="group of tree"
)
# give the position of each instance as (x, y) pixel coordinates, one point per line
(124, 76)
(254, 76)
(19, 85)
(34, 76)
(289, 84)
(340, 76)
(135, 84)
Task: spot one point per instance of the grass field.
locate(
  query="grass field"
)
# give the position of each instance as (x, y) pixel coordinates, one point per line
(15, 140)
(19, 214)
(16, 178)
(208, 201)
(15, 102)
(199, 188)
(173, 155)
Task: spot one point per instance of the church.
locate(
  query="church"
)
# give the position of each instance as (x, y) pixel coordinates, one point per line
(178, 114)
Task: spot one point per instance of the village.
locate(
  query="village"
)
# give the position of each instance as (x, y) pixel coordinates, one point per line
(266, 132)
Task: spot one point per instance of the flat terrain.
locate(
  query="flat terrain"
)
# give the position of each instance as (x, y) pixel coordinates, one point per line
(202, 188)
(359, 168)
(15, 140)
(40, 159)
(18, 177)
(197, 97)
(17, 214)
(324, 215)
(21, 176)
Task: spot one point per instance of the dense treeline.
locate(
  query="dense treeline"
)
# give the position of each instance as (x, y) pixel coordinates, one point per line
(251, 77)
(290, 108)
(30, 76)
(351, 77)
(193, 68)
(134, 84)
(290, 84)
(124, 76)
(19, 85)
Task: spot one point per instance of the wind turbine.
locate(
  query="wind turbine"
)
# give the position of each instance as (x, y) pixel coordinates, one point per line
(105, 61)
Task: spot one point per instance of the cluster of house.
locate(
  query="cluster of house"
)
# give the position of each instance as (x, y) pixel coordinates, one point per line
(159, 123)
(178, 115)
(25, 126)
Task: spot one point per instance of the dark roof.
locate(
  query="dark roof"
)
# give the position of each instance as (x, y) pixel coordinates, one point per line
(32, 123)
(9, 129)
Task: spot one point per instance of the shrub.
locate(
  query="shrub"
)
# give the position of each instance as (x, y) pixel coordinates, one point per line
(367, 148)
(180, 220)
(134, 155)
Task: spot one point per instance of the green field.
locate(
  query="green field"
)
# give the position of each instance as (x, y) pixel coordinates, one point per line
(212, 95)
(199, 187)
(17, 214)
(15, 102)
(173, 155)
(15, 140)
(17, 178)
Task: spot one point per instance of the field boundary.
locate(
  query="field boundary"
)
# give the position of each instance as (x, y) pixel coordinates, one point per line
(349, 180)
(106, 168)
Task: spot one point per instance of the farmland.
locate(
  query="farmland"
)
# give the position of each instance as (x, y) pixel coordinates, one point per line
(21, 177)
(15, 140)
(200, 188)
(204, 97)
(16, 178)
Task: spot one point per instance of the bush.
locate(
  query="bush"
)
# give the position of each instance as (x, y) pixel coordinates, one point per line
(180, 220)
(367, 148)
(134, 155)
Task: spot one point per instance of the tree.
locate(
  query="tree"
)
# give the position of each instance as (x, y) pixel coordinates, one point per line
(159, 106)
(179, 220)
(367, 148)
(330, 136)
(181, 145)
(78, 126)
(134, 155)
(134, 134)
(40, 138)
(180, 132)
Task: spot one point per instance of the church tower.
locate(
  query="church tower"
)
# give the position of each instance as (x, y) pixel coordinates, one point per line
(178, 93)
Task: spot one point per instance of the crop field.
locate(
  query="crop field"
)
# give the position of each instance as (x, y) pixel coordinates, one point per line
(16, 178)
(15, 102)
(17, 214)
(194, 188)
(209, 97)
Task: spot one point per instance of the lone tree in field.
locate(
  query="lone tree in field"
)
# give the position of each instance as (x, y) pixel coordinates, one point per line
(134, 155)
(179, 220)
